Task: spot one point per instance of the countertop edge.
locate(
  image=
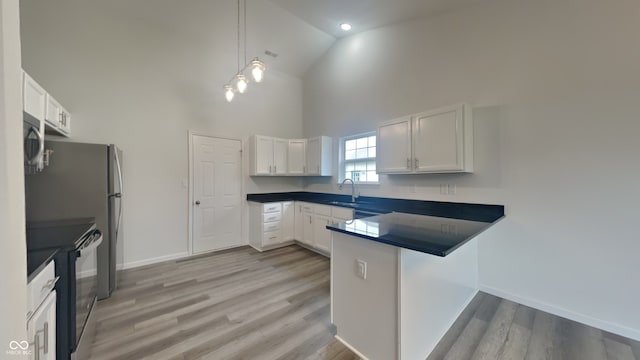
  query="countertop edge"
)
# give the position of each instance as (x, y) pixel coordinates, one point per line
(425, 249)
(42, 265)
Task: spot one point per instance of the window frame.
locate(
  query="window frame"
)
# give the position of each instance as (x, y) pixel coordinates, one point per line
(342, 158)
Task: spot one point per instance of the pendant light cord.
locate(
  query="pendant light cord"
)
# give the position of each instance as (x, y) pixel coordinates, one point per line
(238, 38)
(245, 31)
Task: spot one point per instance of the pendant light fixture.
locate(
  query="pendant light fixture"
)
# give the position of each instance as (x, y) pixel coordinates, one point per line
(257, 67)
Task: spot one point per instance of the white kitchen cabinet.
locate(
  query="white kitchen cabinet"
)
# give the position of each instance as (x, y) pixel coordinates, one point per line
(437, 141)
(319, 156)
(57, 119)
(41, 314)
(298, 221)
(296, 157)
(41, 330)
(280, 156)
(322, 235)
(307, 224)
(269, 225)
(34, 97)
(443, 140)
(268, 156)
(288, 221)
(297, 164)
(394, 146)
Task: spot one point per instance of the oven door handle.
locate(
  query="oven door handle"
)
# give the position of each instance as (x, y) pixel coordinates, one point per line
(92, 245)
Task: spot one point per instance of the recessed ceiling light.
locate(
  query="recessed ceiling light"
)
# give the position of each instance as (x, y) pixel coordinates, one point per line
(345, 26)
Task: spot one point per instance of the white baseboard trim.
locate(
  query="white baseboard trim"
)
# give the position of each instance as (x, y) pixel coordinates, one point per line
(565, 313)
(139, 263)
(362, 357)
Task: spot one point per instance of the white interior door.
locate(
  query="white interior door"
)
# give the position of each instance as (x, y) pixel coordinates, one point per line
(217, 175)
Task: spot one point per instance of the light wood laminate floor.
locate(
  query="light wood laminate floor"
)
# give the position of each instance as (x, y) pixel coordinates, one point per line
(492, 328)
(235, 304)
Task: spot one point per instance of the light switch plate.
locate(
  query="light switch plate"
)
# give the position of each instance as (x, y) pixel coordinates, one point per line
(361, 269)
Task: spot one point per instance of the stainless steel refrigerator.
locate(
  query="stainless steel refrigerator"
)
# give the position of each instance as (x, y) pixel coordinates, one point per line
(83, 180)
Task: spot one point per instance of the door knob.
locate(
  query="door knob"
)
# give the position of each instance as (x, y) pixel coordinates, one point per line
(197, 202)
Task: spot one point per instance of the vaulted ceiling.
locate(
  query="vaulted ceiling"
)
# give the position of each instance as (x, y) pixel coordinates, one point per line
(299, 31)
(364, 15)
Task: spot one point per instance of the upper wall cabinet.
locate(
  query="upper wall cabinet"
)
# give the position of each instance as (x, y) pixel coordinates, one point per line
(297, 164)
(268, 155)
(42, 106)
(57, 119)
(319, 153)
(296, 157)
(34, 97)
(437, 141)
(394, 146)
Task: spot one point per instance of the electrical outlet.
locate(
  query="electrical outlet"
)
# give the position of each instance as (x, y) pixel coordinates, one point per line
(361, 269)
(451, 189)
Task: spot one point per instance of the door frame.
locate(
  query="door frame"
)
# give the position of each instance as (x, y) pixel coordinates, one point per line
(190, 200)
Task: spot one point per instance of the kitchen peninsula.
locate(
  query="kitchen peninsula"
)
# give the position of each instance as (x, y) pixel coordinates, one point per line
(398, 281)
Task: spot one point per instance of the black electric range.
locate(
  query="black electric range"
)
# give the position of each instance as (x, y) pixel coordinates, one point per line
(72, 243)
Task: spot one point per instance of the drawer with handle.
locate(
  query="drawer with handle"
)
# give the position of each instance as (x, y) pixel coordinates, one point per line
(271, 226)
(40, 287)
(271, 237)
(271, 207)
(270, 217)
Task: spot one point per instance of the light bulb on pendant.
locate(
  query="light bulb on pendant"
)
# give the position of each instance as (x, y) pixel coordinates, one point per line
(241, 83)
(257, 70)
(228, 92)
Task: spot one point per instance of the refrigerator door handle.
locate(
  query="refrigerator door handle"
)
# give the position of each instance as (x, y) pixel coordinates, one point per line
(119, 194)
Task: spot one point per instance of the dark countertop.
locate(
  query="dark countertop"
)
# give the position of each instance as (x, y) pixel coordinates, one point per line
(464, 211)
(46, 238)
(37, 260)
(429, 234)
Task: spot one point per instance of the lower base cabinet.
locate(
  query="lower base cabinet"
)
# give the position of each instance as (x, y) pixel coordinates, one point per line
(41, 330)
(41, 317)
(300, 221)
(271, 225)
(322, 235)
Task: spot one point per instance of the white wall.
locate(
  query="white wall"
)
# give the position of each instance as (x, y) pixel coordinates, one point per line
(134, 83)
(13, 267)
(554, 90)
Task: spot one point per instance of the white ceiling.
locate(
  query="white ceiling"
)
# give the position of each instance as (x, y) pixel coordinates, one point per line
(327, 15)
(299, 31)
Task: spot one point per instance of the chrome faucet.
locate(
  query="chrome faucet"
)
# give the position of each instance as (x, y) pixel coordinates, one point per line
(354, 196)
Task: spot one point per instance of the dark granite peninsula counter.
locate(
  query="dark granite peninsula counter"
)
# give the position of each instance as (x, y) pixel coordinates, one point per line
(429, 234)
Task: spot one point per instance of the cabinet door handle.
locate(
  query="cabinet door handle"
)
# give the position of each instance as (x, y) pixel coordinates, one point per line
(46, 337)
(416, 163)
(275, 168)
(408, 163)
(309, 219)
(269, 169)
(36, 347)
